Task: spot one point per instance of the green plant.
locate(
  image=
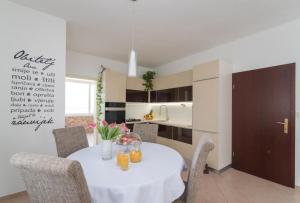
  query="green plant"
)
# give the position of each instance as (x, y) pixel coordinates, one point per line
(148, 77)
(99, 94)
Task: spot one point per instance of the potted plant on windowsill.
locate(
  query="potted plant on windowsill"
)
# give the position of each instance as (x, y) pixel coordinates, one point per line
(109, 133)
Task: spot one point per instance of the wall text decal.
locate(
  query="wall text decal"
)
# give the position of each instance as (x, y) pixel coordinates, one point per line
(32, 90)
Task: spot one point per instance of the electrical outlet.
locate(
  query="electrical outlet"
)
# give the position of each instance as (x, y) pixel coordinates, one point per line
(298, 114)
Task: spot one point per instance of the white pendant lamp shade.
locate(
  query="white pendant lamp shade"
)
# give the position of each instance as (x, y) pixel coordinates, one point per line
(132, 56)
(132, 64)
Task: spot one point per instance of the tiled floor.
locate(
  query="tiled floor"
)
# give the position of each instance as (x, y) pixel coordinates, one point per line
(233, 187)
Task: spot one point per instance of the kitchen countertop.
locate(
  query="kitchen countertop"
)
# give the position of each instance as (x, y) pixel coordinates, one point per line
(164, 122)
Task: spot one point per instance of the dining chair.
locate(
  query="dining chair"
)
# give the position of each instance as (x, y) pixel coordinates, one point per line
(51, 179)
(69, 140)
(148, 132)
(196, 173)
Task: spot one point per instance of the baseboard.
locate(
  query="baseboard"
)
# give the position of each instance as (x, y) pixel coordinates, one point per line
(221, 170)
(297, 188)
(14, 195)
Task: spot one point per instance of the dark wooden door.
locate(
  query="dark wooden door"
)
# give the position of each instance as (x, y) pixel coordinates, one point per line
(262, 100)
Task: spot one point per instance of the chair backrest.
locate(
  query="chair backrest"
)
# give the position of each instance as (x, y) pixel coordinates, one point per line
(148, 132)
(204, 146)
(51, 179)
(69, 140)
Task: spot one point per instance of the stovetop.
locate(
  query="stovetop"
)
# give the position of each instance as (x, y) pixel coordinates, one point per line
(133, 120)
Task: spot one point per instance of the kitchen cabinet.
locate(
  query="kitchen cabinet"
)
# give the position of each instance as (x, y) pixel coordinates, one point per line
(181, 94)
(212, 109)
(165, 131)
(185, 94)
(176, 133)
(136, 96)
(206, 71)
(115, 86)
(180, 139)
(183, 135)
(205, 106)
(153, 96)
(135, 83)
(180, 79)
(130, 126)
(167, 95)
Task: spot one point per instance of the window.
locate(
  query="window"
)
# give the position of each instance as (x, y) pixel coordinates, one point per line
(80, 97)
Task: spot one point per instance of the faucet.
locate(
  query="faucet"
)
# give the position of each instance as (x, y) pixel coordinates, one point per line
(167, 114)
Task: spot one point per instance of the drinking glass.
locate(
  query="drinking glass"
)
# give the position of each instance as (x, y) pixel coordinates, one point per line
(123, 161)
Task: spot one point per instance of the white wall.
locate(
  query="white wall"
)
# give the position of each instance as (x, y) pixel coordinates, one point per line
(279, 45)
(80, 65)
(38, 34)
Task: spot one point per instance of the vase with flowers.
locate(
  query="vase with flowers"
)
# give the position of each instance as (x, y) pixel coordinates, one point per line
(109, 133)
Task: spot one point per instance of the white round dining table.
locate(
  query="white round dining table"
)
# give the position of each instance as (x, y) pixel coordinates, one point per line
(156, 179)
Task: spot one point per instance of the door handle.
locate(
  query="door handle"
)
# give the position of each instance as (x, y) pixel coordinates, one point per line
(285, 124)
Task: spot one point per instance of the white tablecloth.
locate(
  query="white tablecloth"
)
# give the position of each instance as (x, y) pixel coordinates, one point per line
(154, 180)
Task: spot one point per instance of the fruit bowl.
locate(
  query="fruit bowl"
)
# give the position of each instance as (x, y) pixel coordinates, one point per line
(128, 139)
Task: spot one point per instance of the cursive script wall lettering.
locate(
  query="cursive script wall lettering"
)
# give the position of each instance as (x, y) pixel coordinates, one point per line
(22, 55)
(32, 90)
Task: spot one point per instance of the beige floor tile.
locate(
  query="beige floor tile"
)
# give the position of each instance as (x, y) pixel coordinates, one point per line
(232, 186)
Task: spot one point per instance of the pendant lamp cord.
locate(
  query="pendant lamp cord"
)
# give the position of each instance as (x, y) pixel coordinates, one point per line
(133, 24)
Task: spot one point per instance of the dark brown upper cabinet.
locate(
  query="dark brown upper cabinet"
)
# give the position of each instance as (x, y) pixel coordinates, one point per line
(167, 95)
(180, 94)
(136, 96)
(153, 96)
(185, 94)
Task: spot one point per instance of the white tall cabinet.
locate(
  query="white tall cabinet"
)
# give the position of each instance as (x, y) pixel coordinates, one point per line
(212, 101)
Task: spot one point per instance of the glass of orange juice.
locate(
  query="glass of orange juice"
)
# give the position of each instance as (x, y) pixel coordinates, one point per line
(123, 161)
(119, 154)
(136, 153)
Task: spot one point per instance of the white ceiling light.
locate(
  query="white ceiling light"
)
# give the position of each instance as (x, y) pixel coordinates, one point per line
(132, 55)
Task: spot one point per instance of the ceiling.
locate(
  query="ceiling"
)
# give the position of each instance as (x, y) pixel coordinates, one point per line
(166, 30)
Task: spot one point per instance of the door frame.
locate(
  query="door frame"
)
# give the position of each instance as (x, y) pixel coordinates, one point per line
(292, 114)
(293, 122)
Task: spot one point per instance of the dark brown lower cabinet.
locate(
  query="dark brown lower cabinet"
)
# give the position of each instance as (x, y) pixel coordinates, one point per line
(165, 131)
(183, 135)
(130, 127)
(175, 133)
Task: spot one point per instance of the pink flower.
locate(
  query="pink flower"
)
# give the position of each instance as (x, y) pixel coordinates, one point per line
(123, 127)
(125, 140)
(104, 122)
(112, 125)
(92, 125)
